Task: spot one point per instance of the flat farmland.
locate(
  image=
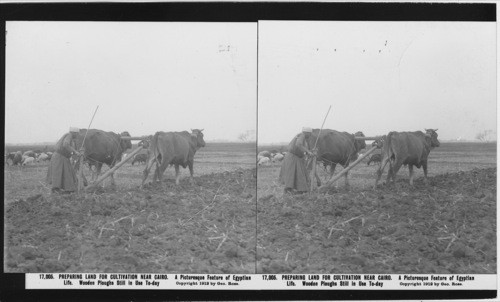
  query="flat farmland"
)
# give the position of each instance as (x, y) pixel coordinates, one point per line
(446, 226)
(208, 227)
(23, 182)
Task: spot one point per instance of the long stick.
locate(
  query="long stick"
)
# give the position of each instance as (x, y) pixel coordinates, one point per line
(134, 138)
(313, 175)
(367, 138)
(80, 160)
(317, 138)
(85, 136)
(110, 171)
(330, 182)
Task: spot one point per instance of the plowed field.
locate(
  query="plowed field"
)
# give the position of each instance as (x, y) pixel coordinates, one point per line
(446, 226)
(208, 227)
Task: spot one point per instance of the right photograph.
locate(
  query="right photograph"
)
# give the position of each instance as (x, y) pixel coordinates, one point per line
(377, 147)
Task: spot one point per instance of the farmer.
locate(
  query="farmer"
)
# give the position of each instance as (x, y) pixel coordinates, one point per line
(61, 174)
(293, 171)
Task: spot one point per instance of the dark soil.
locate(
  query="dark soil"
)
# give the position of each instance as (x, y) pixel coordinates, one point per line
(208, 227)
(446, 226)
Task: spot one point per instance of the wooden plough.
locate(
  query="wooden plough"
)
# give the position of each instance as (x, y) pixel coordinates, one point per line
(143, 145)
(326, 186)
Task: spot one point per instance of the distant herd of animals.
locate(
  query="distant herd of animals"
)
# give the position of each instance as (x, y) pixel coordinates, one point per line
(267, 157)
(27, 158)
(178, 149)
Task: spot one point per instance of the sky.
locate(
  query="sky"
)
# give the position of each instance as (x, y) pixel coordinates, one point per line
(377, 76)
(144, 76)
(171, 76)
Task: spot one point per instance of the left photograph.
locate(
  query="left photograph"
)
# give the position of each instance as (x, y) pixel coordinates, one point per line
(130, 147)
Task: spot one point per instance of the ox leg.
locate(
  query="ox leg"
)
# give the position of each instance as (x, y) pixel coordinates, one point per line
(145, 173)
(191, 171)
(97, 171)
(158, 173)
(92, 173)
(380, 170)
(424, 166)
(395, 168)
(346, 179)
(318, 180)
(389, 172)
(410, 169)
(161, 170)
(157, 176)
(112, 176)
(177, 174)
(332, 171)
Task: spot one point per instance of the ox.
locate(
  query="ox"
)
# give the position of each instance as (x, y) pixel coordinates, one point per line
(406, 148)
(103, 148)
(173, 148)
(336, 147)
(140, 158)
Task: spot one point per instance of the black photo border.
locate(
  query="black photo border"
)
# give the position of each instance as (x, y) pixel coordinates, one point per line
(12, 285)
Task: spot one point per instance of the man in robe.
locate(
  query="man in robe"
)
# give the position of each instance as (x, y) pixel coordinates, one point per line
(293, 173)
(61, 175)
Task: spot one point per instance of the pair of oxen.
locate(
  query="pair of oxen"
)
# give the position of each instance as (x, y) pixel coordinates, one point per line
(165, 148)
(398, 149)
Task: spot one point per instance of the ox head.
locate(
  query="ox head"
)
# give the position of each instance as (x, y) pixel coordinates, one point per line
(359, 144)
(198, 134)
(432, 137)
(125, 144)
